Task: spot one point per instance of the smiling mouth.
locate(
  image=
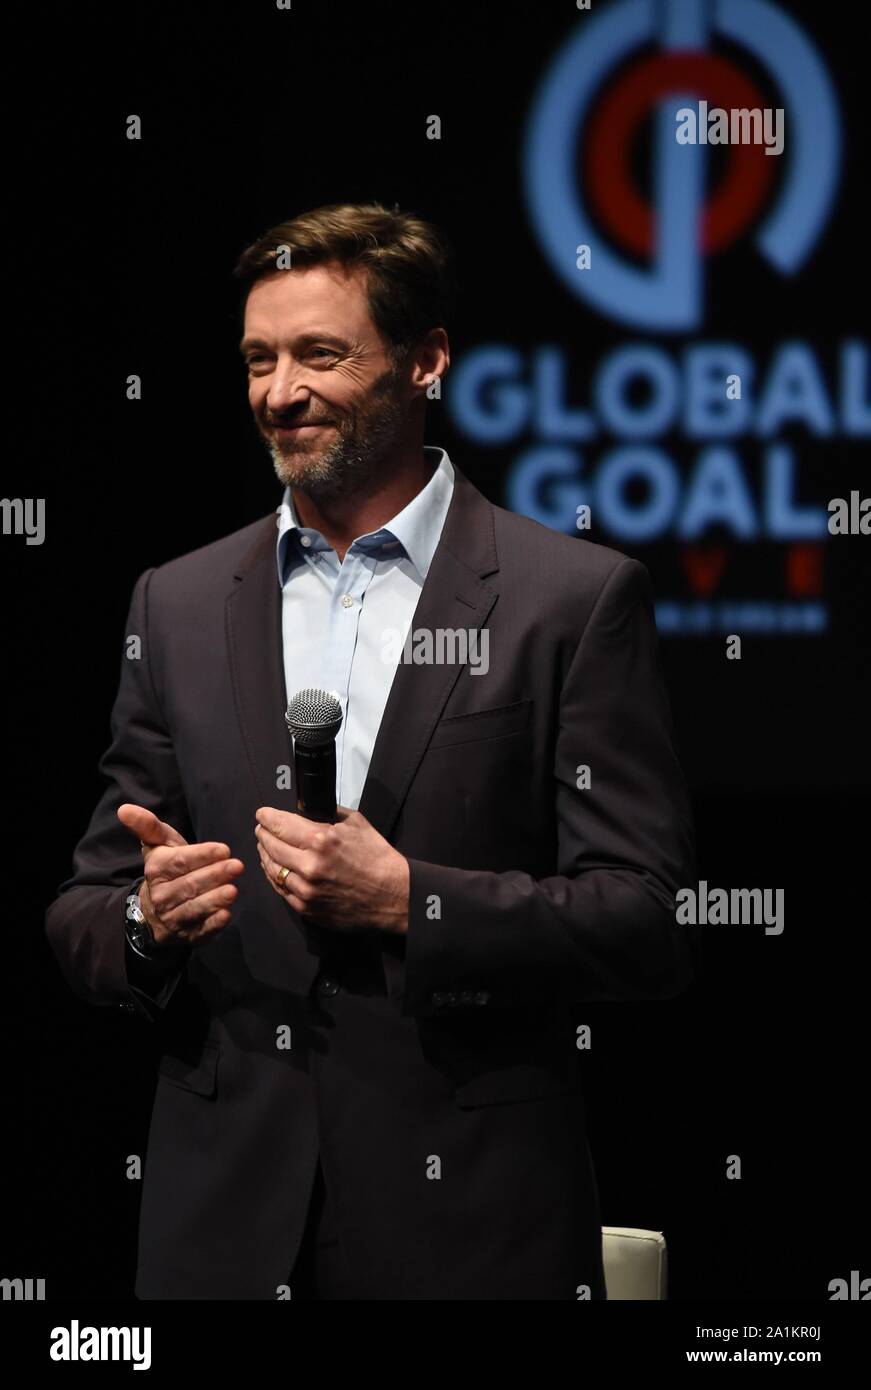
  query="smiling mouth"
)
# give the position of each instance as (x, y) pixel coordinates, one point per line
(295, 429)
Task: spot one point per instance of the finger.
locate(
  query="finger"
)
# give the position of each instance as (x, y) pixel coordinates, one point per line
(195, 936)
(218, 919)
(168, 895)
(189, 916)
(292, 829)
(147, 827)
(166, 863)
(285, 855)
(301, 908)
(216, 922)
(270, 868)
(292, 884)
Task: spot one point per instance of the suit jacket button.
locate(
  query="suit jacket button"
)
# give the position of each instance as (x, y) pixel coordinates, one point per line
(327, 985)
(467, 997)
(482, 997)
(452, 1000)
(439, 999)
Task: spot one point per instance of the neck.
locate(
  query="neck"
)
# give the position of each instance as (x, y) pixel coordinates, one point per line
(341, 520)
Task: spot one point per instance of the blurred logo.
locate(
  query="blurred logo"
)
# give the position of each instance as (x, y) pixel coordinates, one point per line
(647, 254)
(708, 444)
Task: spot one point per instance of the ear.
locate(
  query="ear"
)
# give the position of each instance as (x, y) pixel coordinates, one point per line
(431, 358)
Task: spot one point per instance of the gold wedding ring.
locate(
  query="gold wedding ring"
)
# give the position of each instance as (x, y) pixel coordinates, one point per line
(281, 876)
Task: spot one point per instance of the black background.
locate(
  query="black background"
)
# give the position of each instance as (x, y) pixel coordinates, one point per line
(120, 262)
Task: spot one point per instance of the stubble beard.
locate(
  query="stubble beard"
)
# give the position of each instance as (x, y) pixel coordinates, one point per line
(362, 440)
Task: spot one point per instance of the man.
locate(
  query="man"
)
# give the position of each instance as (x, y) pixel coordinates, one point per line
(369, 1084)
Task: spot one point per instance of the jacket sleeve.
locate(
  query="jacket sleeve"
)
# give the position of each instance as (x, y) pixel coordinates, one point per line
(85, 923)
(604, 926)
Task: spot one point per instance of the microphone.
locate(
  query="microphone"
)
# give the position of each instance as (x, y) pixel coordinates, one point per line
(314, 717)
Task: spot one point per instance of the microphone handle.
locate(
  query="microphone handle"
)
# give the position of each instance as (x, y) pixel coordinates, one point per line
(316, 781)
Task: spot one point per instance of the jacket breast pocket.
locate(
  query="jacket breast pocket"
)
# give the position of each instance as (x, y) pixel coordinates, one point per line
(484, 724)
(198, 1073)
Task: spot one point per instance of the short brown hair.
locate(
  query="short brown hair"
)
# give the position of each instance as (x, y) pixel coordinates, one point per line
(409, 264)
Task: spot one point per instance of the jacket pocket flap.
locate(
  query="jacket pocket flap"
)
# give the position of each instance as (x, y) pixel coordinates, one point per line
(486, 723)
(198, 1074)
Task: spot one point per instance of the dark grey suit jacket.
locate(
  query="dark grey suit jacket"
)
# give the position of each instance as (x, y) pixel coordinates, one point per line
(437, 1075)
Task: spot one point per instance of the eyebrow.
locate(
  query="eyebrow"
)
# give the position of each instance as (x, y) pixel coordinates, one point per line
(304, 340)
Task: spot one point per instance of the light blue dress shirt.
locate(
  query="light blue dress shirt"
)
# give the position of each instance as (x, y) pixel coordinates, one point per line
(338, 621)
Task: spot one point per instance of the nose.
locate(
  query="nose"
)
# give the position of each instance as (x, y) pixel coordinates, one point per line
(286, 389)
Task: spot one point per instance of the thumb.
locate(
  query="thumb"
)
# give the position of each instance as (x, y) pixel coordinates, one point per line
(146, 826)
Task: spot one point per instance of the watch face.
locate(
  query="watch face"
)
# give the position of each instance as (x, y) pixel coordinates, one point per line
(138, 929)
(140, 936)
(141, 939)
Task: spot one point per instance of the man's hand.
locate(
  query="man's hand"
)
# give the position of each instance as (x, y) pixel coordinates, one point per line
(188, 889)
(344, 875)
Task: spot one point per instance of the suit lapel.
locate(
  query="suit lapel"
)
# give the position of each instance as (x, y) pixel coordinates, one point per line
(255, 650)
(454, 595)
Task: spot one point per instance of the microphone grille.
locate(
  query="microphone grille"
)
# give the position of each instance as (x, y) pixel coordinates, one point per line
(314, 717)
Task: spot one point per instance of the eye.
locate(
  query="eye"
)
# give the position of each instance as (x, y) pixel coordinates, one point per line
(322, 351)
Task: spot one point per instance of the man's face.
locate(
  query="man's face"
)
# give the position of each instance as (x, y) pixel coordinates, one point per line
(323, 390)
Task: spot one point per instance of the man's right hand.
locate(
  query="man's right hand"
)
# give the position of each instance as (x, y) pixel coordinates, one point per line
(188, 889)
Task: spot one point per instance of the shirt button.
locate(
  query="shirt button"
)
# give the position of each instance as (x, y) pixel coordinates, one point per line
(326, 985)
(305, 540)
(347, 601)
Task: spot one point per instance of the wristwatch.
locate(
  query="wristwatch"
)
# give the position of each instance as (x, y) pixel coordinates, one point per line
(140, 937)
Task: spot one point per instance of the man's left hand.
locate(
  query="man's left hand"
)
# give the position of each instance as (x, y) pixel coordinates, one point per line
(344, 875)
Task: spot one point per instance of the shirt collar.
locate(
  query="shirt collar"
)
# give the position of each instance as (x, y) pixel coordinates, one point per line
(417, 528)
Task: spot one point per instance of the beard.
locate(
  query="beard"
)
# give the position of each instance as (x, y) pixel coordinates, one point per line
(362, 440)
